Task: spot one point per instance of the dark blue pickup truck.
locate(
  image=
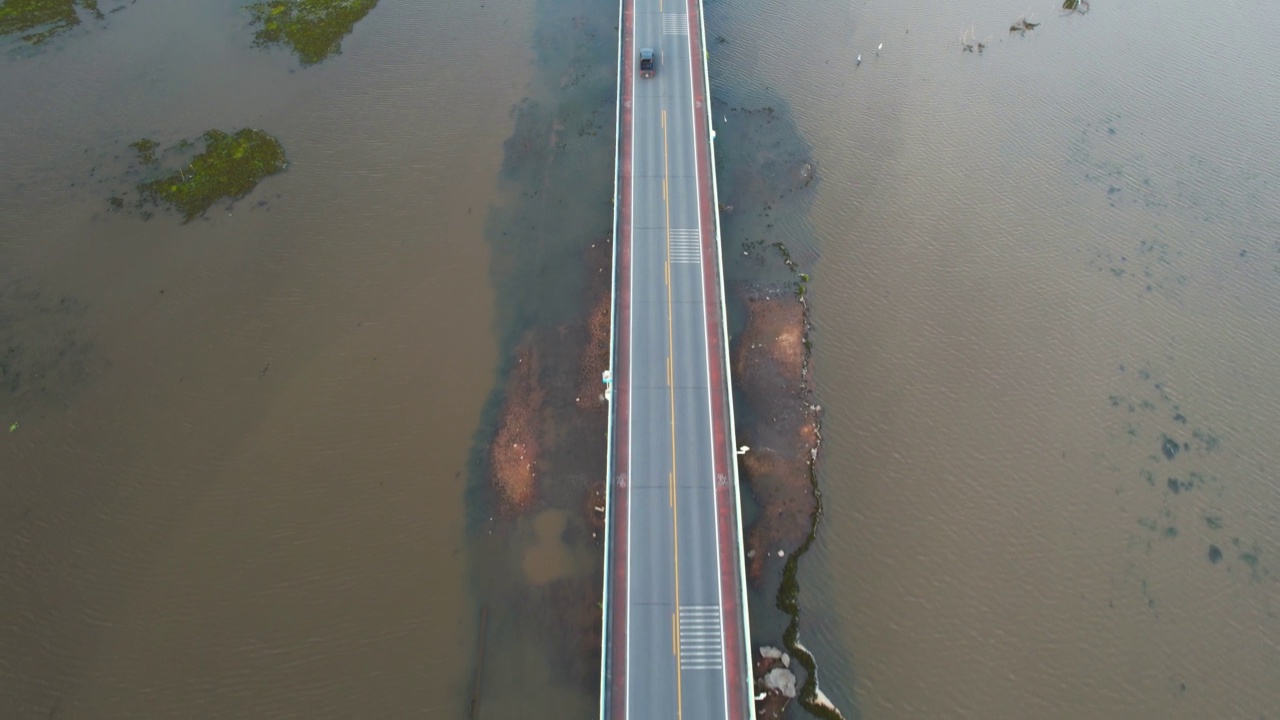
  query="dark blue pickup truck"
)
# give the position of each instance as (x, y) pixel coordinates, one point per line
(648, 65)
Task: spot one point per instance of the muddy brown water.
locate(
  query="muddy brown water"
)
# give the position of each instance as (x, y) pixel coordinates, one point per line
(237, 487)
(1044, 291)
(1031, 267)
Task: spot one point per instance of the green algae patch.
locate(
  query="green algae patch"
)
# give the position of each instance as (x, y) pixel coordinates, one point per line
(146, 151)
(40, 20)
(311, 28)
(229, 167)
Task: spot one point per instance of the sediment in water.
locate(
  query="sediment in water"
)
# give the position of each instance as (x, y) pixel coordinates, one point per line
(595, 352)
(769, 364)
(547, 452)
(549, 233)
(771, 371)
(517, 443)
(766, 172)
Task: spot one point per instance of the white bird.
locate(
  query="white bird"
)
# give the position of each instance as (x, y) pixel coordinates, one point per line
(859, 59)
(879, 48)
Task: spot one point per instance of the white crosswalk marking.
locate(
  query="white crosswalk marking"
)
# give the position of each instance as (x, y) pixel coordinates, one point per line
(701, 647)
(686, 246)
(675, 24)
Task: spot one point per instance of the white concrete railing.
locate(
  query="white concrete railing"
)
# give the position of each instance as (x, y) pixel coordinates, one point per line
(728, 371)
(605, 604)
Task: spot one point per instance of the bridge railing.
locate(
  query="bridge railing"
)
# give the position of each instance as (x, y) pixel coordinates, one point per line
(610, 485)
(728, 374)
(606, 603)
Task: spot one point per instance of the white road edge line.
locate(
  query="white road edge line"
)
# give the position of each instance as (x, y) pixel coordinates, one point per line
(631, 270)
(744, 614)
(606, 604)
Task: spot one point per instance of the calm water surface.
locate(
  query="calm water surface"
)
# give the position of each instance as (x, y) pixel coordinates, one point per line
(1033, 266)
(1046, 290)
(237, 487)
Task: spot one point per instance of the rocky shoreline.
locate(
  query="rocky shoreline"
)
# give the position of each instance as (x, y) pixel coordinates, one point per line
(770, 365)
(782, 436)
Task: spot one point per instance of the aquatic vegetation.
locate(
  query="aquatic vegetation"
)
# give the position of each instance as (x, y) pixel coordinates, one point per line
(46, 17)
(788, 601)
(230, 167)
(1207, 440)
(771, 355)
(46, 351)
(311, 28)
(969, 41)
(1075, 6)
(146, 150)
(1022, 25)
(766, 175)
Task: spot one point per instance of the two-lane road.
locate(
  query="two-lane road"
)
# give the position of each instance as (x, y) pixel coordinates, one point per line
(676, 647)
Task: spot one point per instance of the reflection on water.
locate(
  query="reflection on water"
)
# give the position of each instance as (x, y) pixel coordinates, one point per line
(1045, 343)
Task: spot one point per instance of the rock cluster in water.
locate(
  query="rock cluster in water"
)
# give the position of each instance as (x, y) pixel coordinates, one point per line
(775, 682)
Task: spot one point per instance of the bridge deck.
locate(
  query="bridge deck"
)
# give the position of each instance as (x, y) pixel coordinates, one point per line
(676, 638)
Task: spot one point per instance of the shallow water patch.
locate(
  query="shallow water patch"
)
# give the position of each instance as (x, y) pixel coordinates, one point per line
(766, 176)
(1183, 480)
(46, 350)
(549, 233)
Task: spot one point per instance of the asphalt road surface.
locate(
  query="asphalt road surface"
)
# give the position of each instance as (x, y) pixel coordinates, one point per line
(675, 634)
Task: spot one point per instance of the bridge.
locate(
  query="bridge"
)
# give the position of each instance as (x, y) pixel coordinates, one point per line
(676, 633)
